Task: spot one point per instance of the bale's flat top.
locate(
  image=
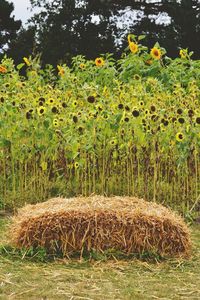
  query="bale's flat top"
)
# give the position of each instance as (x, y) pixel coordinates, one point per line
(95, 203)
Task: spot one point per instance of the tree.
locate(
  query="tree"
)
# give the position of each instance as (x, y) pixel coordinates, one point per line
(181, 28)
(23, 45)
(66, 28)
(8, 25)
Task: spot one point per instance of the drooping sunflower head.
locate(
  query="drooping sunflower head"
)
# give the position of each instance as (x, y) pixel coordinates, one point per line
(99, 61)
(156, 53)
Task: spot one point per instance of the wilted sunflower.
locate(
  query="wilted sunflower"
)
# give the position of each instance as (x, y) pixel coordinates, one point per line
(156, 53)
(99, 61)
(179, 137)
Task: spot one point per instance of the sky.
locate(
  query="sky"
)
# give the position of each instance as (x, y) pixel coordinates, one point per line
(21, 11)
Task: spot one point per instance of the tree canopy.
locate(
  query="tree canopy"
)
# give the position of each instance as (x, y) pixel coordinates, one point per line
(8, 25)
(65, 28)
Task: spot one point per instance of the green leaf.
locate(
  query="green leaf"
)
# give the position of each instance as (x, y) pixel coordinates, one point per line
(20, 66)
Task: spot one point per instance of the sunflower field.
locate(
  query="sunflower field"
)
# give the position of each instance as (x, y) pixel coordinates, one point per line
(115, 127)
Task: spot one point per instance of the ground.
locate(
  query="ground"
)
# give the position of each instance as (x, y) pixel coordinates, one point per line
(111, 279)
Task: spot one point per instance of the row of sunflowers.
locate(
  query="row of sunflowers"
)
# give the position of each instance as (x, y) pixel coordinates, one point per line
(128, 126)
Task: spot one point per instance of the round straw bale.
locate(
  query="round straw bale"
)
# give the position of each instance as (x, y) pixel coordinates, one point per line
(126, 224)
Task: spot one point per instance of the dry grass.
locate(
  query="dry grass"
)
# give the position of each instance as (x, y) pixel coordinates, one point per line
(22, 279)
(79, 225)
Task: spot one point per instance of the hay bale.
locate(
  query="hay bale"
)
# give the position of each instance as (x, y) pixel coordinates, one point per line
(126, 224)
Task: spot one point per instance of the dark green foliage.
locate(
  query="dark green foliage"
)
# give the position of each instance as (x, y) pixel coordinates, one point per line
(8, 25)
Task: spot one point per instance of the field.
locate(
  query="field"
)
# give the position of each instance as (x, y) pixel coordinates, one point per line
(129, 126)
(114, 127)
(117, 279)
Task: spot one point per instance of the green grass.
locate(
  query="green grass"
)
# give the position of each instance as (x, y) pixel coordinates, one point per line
(112, 279)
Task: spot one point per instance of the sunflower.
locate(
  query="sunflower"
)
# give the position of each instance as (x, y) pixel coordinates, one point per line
(75, 119)
(64, 104)
(3, 70)
(91, 99)
(61, 71)
(133, 47)
(153, 108)
(198, 120)
(55, 123)
(120, 106)
(135, 113)
(54, 110)
(76, 165)
(82, 66)
(113, 142)
(41, 110)
(50, 101)
(75, 103)
(28, 115)
(27, 62)
(183, 53)
(126, 119)
(156, 53)
(179, 137)
(179, 111)
(181, 120)
(99, 61)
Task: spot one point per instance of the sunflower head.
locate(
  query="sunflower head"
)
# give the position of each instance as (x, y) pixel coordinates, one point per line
(133, 47)
(156, 53)
(27, 62)
(179, 136)
(82, 66)
(3, 70)
(99, 61)
(183, 53)
(61, 71)
(76, 165)
(55, 123)
(41, 110)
